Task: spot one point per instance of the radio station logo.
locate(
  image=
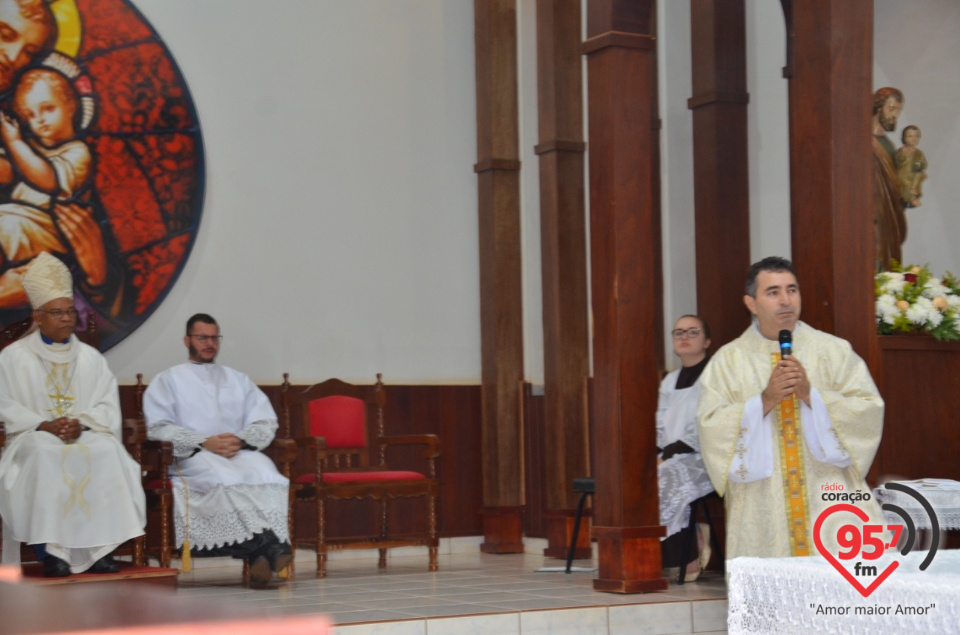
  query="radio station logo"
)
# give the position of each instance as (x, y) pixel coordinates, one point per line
(865, 544)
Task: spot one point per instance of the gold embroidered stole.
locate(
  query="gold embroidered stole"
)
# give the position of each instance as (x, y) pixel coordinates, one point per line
(792, 471)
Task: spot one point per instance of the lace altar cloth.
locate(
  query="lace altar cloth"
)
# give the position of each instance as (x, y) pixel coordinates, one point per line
(807, 595)
(943, 495)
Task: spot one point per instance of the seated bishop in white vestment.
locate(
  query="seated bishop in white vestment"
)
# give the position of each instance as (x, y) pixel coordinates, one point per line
(66, 479)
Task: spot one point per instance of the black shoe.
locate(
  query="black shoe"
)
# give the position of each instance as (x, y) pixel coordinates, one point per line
(279, 556)
(105, 564)
(54, 567)
(260, 573)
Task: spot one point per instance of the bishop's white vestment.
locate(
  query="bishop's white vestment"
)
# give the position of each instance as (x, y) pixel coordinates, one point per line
(84, 497)
(743, 450)
(218, 501)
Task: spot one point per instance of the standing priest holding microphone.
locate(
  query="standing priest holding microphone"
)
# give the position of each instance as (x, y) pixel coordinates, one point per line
(786, 412)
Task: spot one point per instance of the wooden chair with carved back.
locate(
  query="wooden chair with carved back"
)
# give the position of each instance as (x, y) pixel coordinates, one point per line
(160, 537)
(133, 435)
(156, 457)
(342, 452)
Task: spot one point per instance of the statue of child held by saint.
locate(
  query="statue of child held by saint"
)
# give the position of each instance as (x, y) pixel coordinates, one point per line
(911, 167)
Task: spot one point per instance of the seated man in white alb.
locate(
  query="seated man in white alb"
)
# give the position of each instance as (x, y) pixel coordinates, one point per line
(230, 500)
(66, 481)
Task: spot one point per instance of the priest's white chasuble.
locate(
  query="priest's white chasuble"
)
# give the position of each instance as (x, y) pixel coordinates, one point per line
(82, 498)
(774, 469)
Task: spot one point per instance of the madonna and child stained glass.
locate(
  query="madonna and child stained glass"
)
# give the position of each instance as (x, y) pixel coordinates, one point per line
(101, 158)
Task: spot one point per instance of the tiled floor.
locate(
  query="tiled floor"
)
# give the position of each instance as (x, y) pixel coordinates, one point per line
(471, 593)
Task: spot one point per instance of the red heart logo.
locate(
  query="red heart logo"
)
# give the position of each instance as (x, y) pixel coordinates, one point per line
(862, 515)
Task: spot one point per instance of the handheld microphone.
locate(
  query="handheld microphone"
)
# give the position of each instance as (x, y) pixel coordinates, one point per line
(786, 343)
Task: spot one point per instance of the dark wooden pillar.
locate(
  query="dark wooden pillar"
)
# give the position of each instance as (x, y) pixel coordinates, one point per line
(720, 181)
(829, 68)
(501, 300)
(626, 287)
(564, 265)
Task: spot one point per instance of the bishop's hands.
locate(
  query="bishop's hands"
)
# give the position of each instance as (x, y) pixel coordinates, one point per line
(64, 428)
(787, 378)
(225, 444)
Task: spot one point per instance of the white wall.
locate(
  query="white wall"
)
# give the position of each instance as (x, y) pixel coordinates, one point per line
(916, 49)
(530, 193)
(676, 165)
(768, 160)
(339, 233)
(767, 132)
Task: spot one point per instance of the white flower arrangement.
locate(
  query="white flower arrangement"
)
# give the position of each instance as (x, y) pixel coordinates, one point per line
(912, 300)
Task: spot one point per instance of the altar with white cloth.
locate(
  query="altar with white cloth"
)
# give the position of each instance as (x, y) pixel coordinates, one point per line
(807, 595)
(942, 494)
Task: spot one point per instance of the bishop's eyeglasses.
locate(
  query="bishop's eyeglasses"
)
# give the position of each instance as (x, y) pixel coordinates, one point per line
(59, 314)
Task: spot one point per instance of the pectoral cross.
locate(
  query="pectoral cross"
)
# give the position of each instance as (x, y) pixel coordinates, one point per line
(62, 403)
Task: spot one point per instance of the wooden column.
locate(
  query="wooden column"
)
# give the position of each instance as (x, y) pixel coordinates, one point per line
(501, 299)
(564, 265)
(829, 68)
(720, 172)
(626, 286)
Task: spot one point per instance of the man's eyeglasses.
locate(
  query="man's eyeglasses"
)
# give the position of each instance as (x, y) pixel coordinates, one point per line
(203, 339)
(59, 314)
(693, 331)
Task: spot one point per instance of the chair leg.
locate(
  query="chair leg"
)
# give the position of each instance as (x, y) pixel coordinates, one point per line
(576, 530)
(138, 550)
(321, 541)
(166, 522)
(432, 527)
(291, 570)
(384, 509)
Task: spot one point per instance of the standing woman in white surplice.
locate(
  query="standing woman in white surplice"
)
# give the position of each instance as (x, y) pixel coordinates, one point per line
(680, 471)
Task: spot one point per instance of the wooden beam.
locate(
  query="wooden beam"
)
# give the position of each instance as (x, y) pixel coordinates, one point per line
(626, 290)
(830, 97)
(501, 297)
(563, 245)
(720, 167)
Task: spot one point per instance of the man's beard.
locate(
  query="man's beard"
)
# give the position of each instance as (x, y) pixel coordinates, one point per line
(195, 356)
(888, 123)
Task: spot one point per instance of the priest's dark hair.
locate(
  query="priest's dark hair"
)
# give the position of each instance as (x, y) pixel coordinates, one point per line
(200, 317)
(768, 264)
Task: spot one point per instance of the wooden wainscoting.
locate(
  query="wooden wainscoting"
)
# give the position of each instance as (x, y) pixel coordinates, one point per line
(920, 382)
(450, 412)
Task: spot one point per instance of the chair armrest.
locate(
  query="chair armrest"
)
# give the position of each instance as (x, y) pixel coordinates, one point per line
(164, 450)
(156, 457)
(308, 442)
(432, 442)
(134, 433)
(284, 449)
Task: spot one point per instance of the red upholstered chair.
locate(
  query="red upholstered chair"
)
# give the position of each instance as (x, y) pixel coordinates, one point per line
(342, 455)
